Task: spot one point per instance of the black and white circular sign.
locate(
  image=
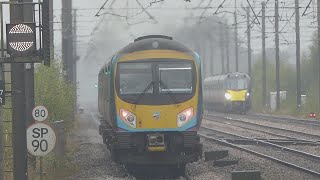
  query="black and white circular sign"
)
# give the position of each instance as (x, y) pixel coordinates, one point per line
(40, 113)
(41, 139)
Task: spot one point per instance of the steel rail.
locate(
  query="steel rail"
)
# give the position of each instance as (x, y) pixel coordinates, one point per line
(265, 132)
(243, 127)
(187, 176)
(286, 119)
(276, 141)
(309, 171)
(311, 156)
(264, 126)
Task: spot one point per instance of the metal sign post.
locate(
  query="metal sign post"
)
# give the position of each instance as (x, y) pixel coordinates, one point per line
(26, 39)
(41, 169)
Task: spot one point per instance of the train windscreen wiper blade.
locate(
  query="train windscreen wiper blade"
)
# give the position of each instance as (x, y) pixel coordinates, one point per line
(143, 92)
(170, 92)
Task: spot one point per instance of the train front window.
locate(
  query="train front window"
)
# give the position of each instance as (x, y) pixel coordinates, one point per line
(176, 78)
(156, 81)
(135, 78)
(237, 84)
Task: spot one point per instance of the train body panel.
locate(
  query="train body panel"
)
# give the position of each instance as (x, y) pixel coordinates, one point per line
(148, 92)
(156, 118)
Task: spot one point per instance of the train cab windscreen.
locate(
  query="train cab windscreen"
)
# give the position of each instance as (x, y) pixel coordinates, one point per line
(156, 81)
(237, 83)
(175, 77)
(135, 77)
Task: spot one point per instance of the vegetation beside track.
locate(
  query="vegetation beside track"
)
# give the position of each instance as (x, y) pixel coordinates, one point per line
(288, 78)
(55, 92)
(59, 96)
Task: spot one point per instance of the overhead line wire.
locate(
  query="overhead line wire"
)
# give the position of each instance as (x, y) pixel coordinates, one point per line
(288, 21)
(253, 12)
(220, 6)
(102, 7)
(303, 14)
(205, 9)
(200, 3)
(258, 14)
(150, 16)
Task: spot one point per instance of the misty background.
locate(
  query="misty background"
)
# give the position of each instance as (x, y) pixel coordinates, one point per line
(195, 23)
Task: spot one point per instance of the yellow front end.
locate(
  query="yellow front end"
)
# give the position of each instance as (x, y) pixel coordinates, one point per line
(155, 117)
(238, 95)
(236, 100)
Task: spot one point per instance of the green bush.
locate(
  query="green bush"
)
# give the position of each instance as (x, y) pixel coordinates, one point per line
(54, 92)
(59, 96)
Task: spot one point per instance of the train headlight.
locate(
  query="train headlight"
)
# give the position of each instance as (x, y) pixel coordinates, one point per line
(248, 94)
(227, 96)
(184, 117)
(128, 117)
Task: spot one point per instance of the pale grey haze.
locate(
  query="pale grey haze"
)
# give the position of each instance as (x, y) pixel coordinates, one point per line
(104, 35)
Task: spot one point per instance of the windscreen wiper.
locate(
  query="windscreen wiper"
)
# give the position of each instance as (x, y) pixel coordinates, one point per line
(143, 92)
(175, 100)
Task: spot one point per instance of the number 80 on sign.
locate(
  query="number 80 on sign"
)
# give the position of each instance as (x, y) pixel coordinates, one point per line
(40, 113)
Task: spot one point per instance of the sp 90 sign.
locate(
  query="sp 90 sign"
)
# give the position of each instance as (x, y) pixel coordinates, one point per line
(41, 139)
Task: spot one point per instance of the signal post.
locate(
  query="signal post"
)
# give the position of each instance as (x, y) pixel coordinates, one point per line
(23, 48)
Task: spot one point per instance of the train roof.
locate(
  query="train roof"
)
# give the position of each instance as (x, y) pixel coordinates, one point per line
(228, 75)
(153, 42)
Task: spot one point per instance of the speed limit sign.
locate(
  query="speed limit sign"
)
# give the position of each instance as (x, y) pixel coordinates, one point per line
(40, 113)
(41, 139)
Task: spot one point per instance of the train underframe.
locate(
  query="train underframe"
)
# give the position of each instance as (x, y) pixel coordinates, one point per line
(165, 148)
(237, 106)
(241, 107)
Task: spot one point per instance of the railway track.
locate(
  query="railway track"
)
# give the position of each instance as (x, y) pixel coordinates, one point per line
(143, 173)
(299, 160)
(187, 176)
(264, 142)
(288, 139)
(262, 128)
(286, 119)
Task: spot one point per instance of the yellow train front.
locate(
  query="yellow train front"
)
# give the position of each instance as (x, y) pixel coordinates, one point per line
(227, 92)
(150, 101)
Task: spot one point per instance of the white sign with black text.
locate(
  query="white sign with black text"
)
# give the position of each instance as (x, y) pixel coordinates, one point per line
(40, 113)
(41, 139)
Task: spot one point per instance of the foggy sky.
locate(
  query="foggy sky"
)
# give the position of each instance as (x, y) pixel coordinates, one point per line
(113, 32)
(171, 13)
